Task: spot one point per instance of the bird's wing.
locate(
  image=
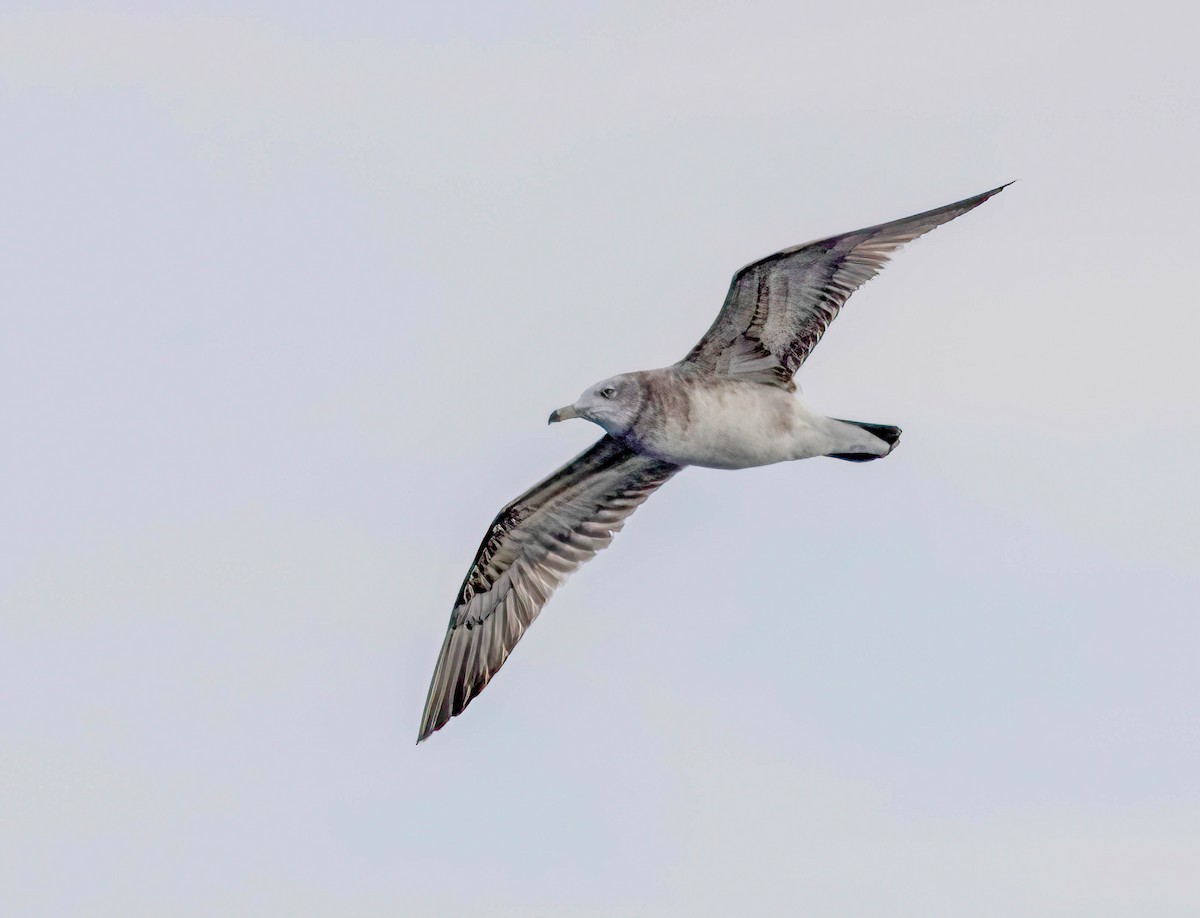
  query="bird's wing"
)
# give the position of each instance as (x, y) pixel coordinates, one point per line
(778, 308)
(532, 546)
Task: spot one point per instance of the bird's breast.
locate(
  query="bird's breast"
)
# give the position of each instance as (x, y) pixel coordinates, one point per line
(733, 425)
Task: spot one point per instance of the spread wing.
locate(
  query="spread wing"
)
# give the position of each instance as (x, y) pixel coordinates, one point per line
(778, 308)
(533, 545)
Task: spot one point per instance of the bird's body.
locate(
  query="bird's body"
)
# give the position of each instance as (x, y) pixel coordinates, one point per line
(729, 404)
(721, 422)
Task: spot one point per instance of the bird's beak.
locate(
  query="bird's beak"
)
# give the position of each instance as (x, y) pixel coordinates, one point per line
(563, 414)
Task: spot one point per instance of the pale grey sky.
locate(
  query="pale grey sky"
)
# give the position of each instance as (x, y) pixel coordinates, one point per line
(287, 298)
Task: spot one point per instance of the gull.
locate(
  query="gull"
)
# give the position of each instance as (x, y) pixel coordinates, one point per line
(729, 404)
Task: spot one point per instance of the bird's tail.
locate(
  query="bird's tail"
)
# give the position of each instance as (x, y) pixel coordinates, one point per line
(885, 432)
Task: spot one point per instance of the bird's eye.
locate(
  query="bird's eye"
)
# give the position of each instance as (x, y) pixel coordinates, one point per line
(608, 392)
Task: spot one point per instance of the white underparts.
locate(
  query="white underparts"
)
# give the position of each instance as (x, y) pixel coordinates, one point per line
(737, 425)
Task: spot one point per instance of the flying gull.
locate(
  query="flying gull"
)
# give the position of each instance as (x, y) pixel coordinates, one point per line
(729, 404)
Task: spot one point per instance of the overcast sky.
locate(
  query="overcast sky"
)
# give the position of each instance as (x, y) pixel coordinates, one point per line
(287, 297)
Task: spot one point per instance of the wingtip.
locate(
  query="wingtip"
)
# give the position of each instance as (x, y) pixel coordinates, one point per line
(431, 721)
(972, 202)
(427, 729)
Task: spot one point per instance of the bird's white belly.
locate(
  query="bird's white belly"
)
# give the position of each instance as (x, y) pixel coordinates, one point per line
(737, 426)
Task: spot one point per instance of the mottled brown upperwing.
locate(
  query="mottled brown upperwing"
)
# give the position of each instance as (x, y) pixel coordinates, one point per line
(531, 548)
(778, 307)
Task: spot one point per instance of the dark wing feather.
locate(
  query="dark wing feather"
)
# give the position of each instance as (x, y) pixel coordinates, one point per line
(532, 546)
(778, 308)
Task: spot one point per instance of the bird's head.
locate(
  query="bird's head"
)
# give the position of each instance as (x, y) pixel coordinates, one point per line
(612, 403)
